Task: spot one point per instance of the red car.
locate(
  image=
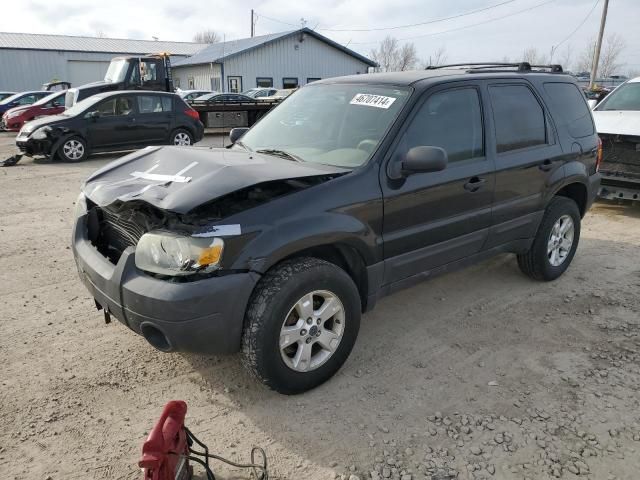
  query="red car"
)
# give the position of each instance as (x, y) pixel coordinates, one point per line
(14, 118)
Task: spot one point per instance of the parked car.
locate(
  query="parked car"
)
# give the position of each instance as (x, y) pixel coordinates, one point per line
(260, 92)
(188, 95)
(351, 189)
(14, 118)
(617, 120)
(20, 99)
(278, 95)
(120, 120)
(223, 98)
(4, 95)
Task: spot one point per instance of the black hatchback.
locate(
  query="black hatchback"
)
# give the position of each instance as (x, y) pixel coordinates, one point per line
(112, 121)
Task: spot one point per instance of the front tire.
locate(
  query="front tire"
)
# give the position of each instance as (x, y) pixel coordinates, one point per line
(301, 324)
(181, 137)
(555, 243)
(73, 149)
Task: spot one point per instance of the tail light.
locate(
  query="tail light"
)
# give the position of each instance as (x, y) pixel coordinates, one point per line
(192, 113)
(599, 154)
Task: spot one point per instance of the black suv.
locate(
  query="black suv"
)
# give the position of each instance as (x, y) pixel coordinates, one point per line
(121, 120)
(350, 189)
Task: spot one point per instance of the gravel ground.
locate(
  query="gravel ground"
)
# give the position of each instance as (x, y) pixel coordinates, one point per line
(481, 373)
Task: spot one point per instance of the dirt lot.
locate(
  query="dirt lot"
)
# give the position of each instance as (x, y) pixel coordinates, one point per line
(481, 373)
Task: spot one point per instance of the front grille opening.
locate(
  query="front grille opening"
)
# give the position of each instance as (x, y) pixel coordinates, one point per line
(114, 228)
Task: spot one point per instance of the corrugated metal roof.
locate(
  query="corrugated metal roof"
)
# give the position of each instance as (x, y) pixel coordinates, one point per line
(217, 51)
(93, 44)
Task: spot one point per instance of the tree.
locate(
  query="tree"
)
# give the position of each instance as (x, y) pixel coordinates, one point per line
(608, 65)
(439, 57)
(391, 57)
(206, 36)
(533, 57)
(566, 58)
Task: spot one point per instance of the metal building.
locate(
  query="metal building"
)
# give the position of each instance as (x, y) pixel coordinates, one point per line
(29, 60)
(280, 60)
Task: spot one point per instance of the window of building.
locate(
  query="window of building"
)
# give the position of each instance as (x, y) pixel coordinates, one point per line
(235, 84)
(176, 82)
(572, 108)
(452, 120)
(290, 82)
(264, 82)
(518, 116)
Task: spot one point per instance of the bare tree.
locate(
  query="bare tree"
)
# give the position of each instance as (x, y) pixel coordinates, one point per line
(612, 48)
(566, 57)
(439, 57)
(100, 34)
(391, 57)
(610, 55)
(532, 56)
(206, 36)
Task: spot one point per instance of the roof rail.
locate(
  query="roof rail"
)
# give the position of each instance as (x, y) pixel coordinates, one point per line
(519, 66)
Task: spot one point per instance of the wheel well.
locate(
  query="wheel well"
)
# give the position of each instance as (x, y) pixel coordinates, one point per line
(345, 257)
(576, 192)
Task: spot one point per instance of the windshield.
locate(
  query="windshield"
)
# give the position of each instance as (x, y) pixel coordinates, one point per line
(336, 124)
(625, 97)
(117, 71)
(11, 98)
(81, 106)
(47, 99)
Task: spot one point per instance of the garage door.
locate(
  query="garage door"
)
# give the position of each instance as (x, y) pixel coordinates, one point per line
(82, 71)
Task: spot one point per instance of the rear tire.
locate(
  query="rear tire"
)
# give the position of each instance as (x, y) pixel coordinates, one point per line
(555, 243)
(181, 137)
(301, 324)
(73, 149)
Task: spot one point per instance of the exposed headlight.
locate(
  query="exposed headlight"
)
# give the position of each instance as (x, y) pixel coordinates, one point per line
(81, 206)
(171, 254)
(41, 133)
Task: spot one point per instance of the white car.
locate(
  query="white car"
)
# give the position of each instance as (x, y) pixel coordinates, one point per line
(617, 119)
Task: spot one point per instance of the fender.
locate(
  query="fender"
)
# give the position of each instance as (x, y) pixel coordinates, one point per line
(301, 233)
(64, 136)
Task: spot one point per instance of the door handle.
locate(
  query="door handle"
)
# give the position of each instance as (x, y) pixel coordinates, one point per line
(474, 184)
(546, 165)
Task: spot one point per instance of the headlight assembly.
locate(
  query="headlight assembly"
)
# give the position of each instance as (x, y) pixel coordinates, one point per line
(167, 253)
(41, 133)
(80, 206)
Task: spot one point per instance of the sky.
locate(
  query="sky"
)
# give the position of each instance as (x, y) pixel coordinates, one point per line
(503, 31)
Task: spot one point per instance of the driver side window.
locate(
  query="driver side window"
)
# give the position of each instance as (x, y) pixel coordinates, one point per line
(452, 120)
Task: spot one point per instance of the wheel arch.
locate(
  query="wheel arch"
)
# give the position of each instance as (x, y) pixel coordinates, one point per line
(576, 191)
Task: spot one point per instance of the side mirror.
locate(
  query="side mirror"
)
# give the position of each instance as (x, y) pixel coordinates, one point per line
(93, 115)
(236, 133)
(419, 160)
(592, 103)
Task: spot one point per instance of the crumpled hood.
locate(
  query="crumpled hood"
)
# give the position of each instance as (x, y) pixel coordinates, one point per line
(179, 179)
(620, 122)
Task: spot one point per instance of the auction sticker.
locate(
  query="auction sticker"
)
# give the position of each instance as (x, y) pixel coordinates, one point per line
(378, 101)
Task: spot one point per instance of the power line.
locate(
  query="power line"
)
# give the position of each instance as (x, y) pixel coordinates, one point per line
(396, 27)
(410, 25)
(466, 26)
(555, 47)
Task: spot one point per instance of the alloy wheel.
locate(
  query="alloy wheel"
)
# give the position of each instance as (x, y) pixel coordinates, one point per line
(560, 240)
(312, 331)
(181, 139)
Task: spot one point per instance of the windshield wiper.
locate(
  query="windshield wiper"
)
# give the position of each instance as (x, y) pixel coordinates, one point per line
(280, 153)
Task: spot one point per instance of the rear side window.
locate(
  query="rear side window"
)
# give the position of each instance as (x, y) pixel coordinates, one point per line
(518, 117)
(153, 104)
(571, 107)
(451, 120)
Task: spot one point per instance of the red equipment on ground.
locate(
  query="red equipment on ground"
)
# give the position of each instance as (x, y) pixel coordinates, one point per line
(165, 452)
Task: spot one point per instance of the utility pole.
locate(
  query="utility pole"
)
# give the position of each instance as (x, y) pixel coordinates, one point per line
(596, 53)
(253, 24)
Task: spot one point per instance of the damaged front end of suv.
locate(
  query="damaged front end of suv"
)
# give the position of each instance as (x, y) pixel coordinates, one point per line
(154, 235)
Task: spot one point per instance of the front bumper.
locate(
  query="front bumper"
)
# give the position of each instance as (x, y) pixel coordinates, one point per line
(29, 146)
(203, 316)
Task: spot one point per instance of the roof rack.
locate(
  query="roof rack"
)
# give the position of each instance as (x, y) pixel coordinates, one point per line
(519, 67)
